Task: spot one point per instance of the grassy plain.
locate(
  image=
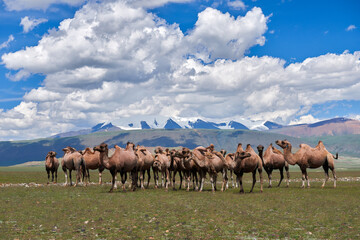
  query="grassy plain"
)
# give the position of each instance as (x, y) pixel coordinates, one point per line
(58, 212)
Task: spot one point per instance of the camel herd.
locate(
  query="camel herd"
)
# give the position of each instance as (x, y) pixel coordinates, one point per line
(192, 165)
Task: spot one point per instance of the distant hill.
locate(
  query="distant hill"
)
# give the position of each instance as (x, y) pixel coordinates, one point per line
(331, 127)
(18, 152)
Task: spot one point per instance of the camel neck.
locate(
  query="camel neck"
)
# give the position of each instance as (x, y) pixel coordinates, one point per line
(289, 156)
(104, 159)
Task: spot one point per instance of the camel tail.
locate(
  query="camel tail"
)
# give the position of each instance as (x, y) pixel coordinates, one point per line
(336, 156)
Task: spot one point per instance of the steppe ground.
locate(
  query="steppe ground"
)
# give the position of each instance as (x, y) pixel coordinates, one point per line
(30, 209)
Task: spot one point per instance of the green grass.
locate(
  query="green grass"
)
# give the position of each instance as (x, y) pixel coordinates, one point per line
(57, 212)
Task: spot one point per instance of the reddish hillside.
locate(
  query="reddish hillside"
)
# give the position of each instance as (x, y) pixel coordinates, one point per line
(332, 127)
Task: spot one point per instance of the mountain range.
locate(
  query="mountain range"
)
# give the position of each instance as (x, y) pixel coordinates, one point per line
(330, 127)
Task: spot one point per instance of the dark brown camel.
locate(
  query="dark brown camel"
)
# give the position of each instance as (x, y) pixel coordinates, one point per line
(51, 165)
(161, 164)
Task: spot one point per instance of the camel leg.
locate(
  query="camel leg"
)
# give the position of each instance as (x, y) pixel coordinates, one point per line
(254, 180)
(287, 176)
(261, 179)
(142, 172)
(269, 173)
(326, 172)
(48, 173)
(303, 171)
(148, 182)
(225, 180)
(213, 185)
(181, 179)
(167, 175)
(170, 173)
(240, 182)
(195, 180)
(307, 179)
(55, 176)
(237, 182)
(123, 180)
(156, 178)
(173, 179)
(113, 182)
(100, 177)
(188, 179)
(281, 175)
(232, 179)
(70, 177)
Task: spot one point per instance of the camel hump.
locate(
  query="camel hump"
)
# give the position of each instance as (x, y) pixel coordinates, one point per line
(112, 151)
(88, 150)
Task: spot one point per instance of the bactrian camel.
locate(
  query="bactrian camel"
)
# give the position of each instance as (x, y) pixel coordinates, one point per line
(308, 157)
(212, 162)
(248, 161)
(190, 167)
(274, 159)
(161, 164)
(51, 165)
(92, 161)
(145, 162)
(122, 161)
(73, 160)
(176, 166)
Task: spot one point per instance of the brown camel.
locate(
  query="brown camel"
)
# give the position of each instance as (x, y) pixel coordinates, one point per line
(308, 157)
(248, 161)
(51, 165)
(212, 162)
(92, 161)
(274, 159)
(161, 164)
(145, 162)
(177, 165)
(122, 161)
(190, 168)
(73, 160)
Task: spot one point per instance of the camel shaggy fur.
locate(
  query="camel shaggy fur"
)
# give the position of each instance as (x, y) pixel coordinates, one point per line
(92, 161)
(73, 160)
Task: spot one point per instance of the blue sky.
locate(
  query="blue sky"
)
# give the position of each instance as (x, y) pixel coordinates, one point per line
(289, 43)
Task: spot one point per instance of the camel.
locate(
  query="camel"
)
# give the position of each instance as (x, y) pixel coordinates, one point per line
(122, 161)
(145, 162)
(161, 164)
(92, 161)
(308, 157)
(230, 161)
(209, 161)
(177, 165)
(73, 160)
(190, 168)
(248, 161)
(51, 165)
(274, 159)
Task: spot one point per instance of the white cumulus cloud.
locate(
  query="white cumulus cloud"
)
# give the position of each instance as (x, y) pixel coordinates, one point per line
(351, 27)
(7, 42)
(29, 24)
(20, 5)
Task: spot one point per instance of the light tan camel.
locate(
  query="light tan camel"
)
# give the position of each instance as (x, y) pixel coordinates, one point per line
(145, 162)
(92, 161)
(191, 169)
(73, 160)
(161, 164)
(122, 161)
(212, 162)
(248, 161)
(230, 161)
(51, 165)
(308, 157)
(274, 159)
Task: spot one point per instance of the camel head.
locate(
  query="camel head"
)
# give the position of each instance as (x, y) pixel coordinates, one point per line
(157, 163)
(130, 145)
(283, 144)
(51, 154)
(158, 150)
(101, 148)
(260, 148)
